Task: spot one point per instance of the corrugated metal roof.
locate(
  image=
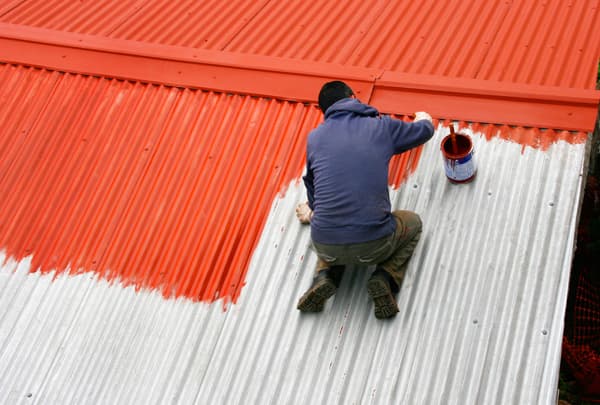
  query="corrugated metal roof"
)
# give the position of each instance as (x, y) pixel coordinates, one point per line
(480, 321)
(158, 186)
(462, 39)
(132, 173)
(181, 181)
(290, 79)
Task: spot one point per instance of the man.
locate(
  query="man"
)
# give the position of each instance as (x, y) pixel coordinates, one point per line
(347, 160)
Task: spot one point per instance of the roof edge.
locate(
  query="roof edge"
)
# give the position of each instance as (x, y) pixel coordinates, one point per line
(289, 79)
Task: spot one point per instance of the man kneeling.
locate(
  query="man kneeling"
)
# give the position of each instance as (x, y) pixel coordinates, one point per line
(348, 208)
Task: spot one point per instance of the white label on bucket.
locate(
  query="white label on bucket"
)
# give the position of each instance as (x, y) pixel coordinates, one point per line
(461, 169)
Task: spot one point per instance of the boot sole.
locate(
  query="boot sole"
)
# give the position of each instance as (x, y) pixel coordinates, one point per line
(383, 300)
(314, 299)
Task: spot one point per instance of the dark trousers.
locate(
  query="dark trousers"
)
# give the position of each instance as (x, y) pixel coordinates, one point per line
(391, 253)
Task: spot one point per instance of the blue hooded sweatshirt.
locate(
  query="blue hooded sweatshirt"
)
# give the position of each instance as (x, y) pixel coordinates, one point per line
(347, 160)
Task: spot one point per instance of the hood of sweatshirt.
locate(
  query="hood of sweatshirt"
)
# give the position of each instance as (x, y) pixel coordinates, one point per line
(351, 105)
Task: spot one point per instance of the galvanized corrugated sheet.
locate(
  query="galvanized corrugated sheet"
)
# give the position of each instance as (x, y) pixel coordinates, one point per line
(480, 321)
(550, 43)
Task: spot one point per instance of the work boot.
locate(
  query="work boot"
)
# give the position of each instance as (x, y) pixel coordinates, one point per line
(380, 290)
(322, 288)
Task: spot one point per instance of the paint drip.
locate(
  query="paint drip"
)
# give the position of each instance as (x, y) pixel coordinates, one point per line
(457, 151)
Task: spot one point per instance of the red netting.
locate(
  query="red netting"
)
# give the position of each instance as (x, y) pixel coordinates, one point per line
(581, 342)
(584, 364)
(586, 319)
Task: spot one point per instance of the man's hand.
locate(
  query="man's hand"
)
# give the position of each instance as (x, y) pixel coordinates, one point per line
(304, 213)
(422, 116)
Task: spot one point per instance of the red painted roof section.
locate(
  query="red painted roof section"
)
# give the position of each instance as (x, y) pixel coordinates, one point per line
(540, 59)
(549, 43)
(164, 178)
(155, 186)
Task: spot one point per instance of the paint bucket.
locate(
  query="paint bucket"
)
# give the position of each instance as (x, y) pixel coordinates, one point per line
(458, 158)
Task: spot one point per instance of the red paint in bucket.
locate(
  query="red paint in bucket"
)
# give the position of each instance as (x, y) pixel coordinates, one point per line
(458, 158)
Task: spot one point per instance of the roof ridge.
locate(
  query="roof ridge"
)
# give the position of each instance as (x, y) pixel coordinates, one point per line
(299, 80)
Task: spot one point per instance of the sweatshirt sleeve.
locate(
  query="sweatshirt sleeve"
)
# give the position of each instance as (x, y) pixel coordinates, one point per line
(407, 135)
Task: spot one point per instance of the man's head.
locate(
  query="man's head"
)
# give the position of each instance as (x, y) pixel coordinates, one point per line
(332, 92)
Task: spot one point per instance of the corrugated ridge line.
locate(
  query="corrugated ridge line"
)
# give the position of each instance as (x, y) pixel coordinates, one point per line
(256, 329)
(424, 343)
(92, 18)
(316, 27)
(15, 172)
(543, 56)
(161, 182)
(519, 202)
(9, 311)
(264, 32)
(39, 162)
(532, 259)
(132, 245)
(198, 149)
(475, 29)
(421, 15)
(540, 259)
(7, 6)
(374, 50)
(550, 376)
(160, 21)
(524, 33)
(260, 325)
(520, 42)
(589, 29)
(513, 383)
(470, 216)
(14, 84)
(497, 263)
(94, 223)
(258, 36)
(23, 289)
(229, 231)
(246, 366)
(84, 382)
(204, 25)
(499, 260)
